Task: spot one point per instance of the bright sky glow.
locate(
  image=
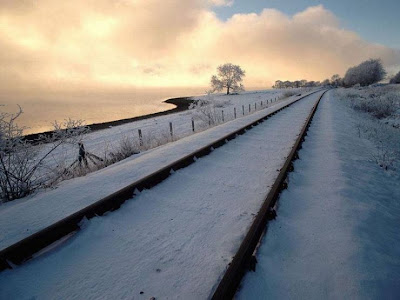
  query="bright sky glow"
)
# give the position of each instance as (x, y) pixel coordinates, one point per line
(150, 43)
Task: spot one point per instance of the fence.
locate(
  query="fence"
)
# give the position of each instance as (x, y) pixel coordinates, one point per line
(177, 129)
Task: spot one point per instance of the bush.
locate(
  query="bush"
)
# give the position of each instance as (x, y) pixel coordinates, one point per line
(380, 102)
(378, 108)
(383, 105)
(366, 73)
(205, 110)
(126, 147)
(287, 94)
(395, 79)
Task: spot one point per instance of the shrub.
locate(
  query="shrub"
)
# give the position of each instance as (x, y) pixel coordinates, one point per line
(287, 94)
(395, 79)
(366, 73)
(205, 110)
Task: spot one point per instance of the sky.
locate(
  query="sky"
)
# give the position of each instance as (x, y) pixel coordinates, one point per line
(69, 45)
(375, 21)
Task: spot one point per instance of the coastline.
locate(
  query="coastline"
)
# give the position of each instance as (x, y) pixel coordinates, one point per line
(181, 104)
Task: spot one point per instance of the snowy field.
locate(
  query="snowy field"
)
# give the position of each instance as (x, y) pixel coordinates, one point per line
(336, 235)
(176, 239)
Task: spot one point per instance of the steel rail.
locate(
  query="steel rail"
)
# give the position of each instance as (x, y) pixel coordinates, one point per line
(244, 258)
(23, 250)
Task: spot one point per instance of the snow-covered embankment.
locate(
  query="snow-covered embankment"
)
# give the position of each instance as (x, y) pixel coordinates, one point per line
(336, 235)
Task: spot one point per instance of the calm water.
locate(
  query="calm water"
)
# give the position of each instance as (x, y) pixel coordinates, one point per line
(92, 106)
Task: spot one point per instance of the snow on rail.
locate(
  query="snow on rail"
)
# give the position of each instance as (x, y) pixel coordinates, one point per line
(176, 239)
(22, 218)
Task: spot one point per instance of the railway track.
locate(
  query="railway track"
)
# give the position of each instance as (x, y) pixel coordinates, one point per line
(27, 247)
(244, 258)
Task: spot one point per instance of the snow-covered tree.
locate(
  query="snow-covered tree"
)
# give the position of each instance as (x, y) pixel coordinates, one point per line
(230, 77)
(395, 78)
(326, 82)
(295, 84)
(335, 80)
(278, 84)
(366, 73)
(21, 162)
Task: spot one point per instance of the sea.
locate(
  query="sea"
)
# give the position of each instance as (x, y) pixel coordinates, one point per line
(40, 110)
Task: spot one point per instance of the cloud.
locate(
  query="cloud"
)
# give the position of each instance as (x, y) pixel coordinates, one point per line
(109, 43)
(272, 45)
(221, 2)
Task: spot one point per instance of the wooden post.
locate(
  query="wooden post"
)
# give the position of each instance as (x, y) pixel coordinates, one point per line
(223, 116)
(192, 125)
(234, 112)
(249, 108)
(255, 106)
(243, 109)
(261, 103)
(140, 137)
(170, 130)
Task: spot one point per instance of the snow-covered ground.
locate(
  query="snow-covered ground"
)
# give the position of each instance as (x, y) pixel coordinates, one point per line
(23, 217)
(380, 121)
(380, 102)
(337, 232)
(156, 131)
(174, 240)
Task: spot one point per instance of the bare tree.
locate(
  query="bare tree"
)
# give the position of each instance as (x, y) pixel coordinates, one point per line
(368, 72)
(230, 77)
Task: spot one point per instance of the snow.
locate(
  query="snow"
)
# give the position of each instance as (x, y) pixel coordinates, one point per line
(336, 235)
(174, 240)
(21, 218)
(156, 130)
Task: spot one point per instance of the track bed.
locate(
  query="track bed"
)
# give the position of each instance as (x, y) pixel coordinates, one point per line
(176, 239)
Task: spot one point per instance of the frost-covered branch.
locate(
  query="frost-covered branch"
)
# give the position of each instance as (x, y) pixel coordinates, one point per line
(20, 161)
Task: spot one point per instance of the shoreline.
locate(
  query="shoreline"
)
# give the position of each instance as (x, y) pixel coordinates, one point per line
(181, 104)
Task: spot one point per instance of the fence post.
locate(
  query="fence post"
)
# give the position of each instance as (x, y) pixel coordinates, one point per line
(170, 130)
(192, 125)
(243, 109)
(140, 137)
(261, 103)
(234, 112)
(255, 106)
(223, 120)
(249, 108)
